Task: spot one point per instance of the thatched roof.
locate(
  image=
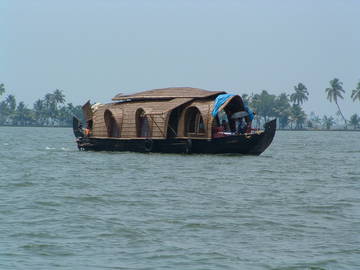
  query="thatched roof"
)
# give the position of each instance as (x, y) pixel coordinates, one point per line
(169, 93)
(161, 107)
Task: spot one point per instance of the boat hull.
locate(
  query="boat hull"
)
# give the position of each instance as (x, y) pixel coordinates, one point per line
(248, 144)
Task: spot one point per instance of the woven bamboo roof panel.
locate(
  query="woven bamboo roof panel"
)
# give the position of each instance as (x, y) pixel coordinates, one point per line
(166, 106)
(169, 93)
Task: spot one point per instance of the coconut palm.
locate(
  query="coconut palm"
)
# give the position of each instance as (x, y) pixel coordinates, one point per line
(47, 111)
(21, 114)
(59, 96)
(49, 100)
(4, 112)
(334, 92)
(355, 121)
(10, 108)
(328, 122)
(11, 101)
(50, 108)
(317, 120)
(298, 116)
(2, 89)
(355, 95)
(300, 95)
(39, 111)
(282, 109)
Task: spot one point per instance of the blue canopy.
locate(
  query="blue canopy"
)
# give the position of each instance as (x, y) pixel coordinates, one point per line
(220, 100)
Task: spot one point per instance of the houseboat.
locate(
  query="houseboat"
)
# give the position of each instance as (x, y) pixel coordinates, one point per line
(172, 120)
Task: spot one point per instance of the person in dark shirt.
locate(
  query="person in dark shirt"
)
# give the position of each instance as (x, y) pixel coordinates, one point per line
(225, 126)
(241, 126)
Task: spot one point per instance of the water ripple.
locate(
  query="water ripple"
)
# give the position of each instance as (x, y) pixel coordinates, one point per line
(294, 207)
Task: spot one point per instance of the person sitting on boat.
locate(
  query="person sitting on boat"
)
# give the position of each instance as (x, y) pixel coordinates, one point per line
(225, 126)
(88, 128)
(249, 118)
(240, 125)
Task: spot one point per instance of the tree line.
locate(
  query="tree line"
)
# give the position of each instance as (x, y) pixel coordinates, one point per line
(53, 110)
(290, 114)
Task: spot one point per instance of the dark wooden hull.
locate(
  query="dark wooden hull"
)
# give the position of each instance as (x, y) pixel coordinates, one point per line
(252, 144)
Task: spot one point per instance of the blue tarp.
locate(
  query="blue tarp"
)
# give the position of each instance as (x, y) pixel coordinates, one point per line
(220, 100)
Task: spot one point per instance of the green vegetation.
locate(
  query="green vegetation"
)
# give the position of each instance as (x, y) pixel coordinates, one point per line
(334, 92)
(328, 122)
(355, 121)
(49, 111)
(300, 95)
(52, 110)
(355, 95)
(289, 112)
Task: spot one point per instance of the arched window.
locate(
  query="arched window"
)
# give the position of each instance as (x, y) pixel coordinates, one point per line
(173, 122)
(194, 123)
(111, 125)
(142, 124)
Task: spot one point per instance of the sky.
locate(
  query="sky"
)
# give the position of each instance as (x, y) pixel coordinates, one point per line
(95, 49)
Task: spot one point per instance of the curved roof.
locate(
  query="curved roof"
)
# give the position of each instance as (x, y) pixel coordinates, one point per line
(169, 93)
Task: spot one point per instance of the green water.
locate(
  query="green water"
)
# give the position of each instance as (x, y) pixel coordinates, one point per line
(297, 206)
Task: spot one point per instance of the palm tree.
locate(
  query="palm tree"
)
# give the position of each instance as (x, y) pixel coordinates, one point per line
(4, 112)
(59, 96)
(70, 107)
(298, 115)
(39, 111)
(317, 120)
(282, 109)
(50, 108)
(355, 120)
(334, 92)
(11, 101)
(2, 89)
(10, 108)
(356, 93)
(300, 95)
(20, 113)
(49, 100)
(328, 122)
